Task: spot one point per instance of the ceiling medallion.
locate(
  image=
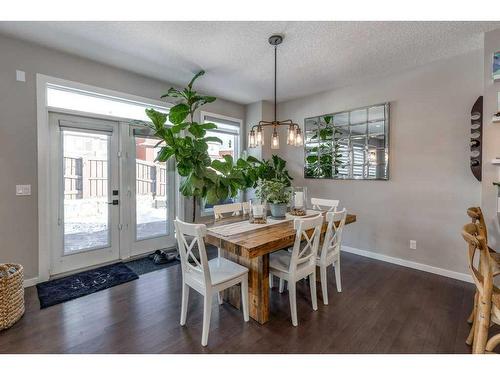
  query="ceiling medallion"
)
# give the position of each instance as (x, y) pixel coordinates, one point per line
(256, 135)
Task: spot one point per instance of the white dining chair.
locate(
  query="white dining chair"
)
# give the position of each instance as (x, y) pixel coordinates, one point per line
(329, 253)
(235, 209)
(330, 204)
(206, 276)
(300, 263)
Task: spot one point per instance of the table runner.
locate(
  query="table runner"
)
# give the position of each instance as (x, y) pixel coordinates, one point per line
(245, 226)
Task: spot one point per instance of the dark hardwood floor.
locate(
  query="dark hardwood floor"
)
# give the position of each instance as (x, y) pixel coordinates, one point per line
(383, 308)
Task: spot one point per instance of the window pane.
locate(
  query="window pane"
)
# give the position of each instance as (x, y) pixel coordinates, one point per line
(86, 180)
(94, 103)
(151, 190)
(228, 147)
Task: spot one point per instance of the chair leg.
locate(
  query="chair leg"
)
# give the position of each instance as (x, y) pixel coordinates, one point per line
(207, 311)
(473, 312)
(282, 285)
(244, 298)
(482, 326)
(324, 284)
(184, 303)
(312, 285)
(292, 293)
(493, 342)
(470, 338)
(336, 266)
(218, 252)
(220, 299)
(270, 281)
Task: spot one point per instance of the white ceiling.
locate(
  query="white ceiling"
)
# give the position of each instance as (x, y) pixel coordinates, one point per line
(314, 57)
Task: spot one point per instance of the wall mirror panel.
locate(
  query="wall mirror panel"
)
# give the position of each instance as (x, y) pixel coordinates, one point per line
(347, 145)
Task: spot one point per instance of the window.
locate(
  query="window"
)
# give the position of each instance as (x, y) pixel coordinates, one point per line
(86, 101)
(228, 130)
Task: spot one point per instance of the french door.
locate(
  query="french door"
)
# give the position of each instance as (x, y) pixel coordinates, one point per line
(109, 197)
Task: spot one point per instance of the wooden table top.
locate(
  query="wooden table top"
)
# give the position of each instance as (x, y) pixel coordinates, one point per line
(259, 242)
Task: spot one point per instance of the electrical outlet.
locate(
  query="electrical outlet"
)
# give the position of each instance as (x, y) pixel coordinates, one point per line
(23, 189)
(413, 244)
(20, 76)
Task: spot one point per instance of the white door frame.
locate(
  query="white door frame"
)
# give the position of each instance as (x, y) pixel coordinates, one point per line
(43, 163)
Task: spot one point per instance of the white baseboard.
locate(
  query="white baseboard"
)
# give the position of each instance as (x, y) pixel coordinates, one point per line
(409, 264)
(30, 282)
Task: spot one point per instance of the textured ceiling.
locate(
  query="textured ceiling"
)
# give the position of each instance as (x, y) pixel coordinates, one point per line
(314, 57)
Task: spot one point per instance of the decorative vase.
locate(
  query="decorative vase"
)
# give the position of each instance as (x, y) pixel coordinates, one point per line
(278, 210)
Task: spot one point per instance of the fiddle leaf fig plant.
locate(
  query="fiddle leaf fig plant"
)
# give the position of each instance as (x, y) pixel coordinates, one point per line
(185, 140)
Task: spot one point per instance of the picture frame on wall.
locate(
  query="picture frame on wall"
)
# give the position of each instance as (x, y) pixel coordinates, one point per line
(496, 66)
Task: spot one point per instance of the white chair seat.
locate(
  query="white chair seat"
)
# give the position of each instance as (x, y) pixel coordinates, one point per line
(280, 261)
(221, 270)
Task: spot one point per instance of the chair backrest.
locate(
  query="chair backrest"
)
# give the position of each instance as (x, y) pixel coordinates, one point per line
(331, 204)
(333, 236)
(476, 214)
(190, 236)
(305, 247)
(246, 207)
(234, 209)
(482, 272)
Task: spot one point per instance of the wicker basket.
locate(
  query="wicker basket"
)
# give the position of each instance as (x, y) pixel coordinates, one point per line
(11, 295)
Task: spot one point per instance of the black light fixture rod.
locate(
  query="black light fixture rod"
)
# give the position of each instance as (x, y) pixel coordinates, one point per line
(275, 73)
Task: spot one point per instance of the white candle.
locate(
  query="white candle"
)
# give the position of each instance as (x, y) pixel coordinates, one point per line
(299, 199)
(258, 210)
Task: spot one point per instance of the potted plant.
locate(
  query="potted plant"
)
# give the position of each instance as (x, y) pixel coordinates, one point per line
(277, 194)
(185, 141)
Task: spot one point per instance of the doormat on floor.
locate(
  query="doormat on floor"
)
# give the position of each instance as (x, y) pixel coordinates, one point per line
(145, 265)
(81, 284)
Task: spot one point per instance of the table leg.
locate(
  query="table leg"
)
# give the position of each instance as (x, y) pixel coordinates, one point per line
(258, 286)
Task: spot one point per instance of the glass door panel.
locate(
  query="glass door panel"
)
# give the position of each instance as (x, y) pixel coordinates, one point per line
(151, 200)
(86, 190)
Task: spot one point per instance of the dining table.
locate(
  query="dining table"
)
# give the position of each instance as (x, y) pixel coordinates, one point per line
(250, 245)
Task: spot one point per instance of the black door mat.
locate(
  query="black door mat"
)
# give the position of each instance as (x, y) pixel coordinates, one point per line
(83, 283)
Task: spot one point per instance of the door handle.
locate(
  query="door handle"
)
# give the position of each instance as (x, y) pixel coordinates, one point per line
(114, 202)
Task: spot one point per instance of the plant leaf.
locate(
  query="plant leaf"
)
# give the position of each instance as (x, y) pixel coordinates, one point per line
(178, 113)
(196, 76)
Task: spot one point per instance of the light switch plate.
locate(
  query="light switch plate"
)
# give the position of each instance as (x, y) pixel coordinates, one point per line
(20, 76)
(23, 189)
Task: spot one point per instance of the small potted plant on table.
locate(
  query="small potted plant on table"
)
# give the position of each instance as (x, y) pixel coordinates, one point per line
(277, 194)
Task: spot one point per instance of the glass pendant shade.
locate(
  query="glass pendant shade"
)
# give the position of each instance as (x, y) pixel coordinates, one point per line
(251, 139)
(259, 137)
(275, 140)
(299, 141)
(291, 135)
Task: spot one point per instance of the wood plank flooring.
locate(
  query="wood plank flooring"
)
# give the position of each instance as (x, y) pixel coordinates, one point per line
(383, 308)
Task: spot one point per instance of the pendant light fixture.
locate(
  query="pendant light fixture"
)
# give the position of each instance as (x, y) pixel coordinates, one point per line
(256, 134)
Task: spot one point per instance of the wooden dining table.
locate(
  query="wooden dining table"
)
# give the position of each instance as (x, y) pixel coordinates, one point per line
(251, 249)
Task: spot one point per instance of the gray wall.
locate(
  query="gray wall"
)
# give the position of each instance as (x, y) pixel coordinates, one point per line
(491, 137)
(430, 183)
(18, 157)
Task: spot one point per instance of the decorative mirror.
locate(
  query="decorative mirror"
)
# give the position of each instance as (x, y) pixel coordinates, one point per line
(348, 145)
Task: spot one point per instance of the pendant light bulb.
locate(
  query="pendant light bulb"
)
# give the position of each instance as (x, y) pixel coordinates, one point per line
(259, 137)
(291, 135)
(275, 140)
